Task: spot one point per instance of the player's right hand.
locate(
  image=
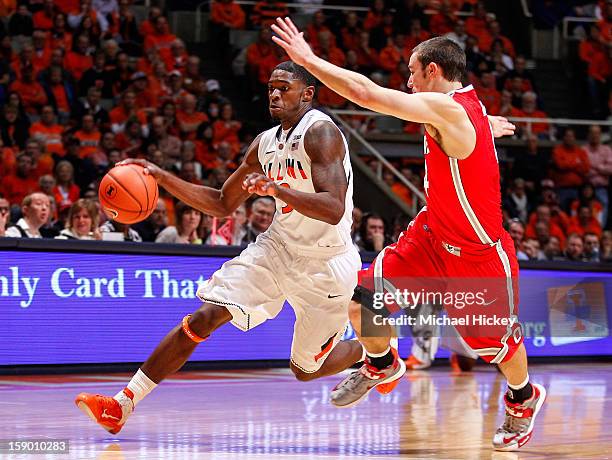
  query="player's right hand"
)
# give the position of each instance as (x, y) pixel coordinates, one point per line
(149, 168)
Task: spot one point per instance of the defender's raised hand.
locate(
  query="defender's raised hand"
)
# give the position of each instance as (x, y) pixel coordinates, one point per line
(291, 40)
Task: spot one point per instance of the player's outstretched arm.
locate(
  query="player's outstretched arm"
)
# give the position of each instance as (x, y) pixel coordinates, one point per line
(324, 145)
(436, 109)
(218, 203)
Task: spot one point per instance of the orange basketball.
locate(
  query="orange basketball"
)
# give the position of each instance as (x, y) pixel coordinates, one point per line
(127, 194)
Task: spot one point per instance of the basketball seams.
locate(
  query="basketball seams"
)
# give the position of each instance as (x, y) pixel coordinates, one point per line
(131, 194)
(143, 183)
(125, 189)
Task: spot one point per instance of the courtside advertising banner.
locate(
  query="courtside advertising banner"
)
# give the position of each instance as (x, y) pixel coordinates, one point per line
(77, 308)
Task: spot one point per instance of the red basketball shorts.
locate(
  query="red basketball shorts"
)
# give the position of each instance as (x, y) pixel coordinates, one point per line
(479, 291)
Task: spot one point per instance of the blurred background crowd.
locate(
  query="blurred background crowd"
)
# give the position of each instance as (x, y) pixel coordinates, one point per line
(87, 83)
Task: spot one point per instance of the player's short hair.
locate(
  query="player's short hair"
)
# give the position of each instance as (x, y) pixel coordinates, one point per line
(444, 52)
(298, 72)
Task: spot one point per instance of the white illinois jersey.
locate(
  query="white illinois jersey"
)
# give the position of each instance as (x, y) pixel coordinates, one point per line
(284, 159)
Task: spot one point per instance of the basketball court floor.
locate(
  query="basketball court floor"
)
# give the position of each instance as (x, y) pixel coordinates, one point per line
(267, 414)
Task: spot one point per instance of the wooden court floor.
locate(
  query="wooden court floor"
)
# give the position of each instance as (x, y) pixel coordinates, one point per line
(266, 414)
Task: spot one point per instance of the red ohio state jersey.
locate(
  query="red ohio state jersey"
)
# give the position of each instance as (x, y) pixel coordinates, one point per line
(463, 196)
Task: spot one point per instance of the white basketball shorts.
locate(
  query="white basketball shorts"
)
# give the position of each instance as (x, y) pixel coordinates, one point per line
(254, 286)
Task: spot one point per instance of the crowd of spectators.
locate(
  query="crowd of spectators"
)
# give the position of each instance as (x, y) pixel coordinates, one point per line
(84, 84)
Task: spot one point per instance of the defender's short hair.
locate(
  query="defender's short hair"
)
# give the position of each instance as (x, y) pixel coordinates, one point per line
(298, 72)
(444, 52)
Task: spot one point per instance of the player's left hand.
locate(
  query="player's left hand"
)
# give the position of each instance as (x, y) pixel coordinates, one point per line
(501, 126)
(260, 185)
(292, 41)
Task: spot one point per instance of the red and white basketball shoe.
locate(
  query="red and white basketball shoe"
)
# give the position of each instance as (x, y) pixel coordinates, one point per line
(105, 410)
(518, 424)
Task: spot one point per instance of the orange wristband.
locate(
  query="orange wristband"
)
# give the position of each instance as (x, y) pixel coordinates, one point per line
(189, 333)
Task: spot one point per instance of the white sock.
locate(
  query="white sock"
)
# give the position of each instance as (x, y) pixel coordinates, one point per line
(140, 386)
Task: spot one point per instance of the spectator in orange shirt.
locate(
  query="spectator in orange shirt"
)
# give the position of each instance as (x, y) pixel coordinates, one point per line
(349, 34)
(375, 15)
(161, 37)
(416, 35)
(43, 162)
(25, 59)
(66, 191)
(79, 60)
(130, 141)
(328, 50)
(175, 57)
(495, 34)
(591, 45)
(145, 99)
(399, 189)
(542, 218)
(189, 119)
(570, 167)
(43, 20)
(169, 144)
(60, 94)
(328, 98)
(61, 37)
(257, 52)
(394, 53)
(146, 26)
(88, 136)
(529, 109)
(227, 128)
(605, 24)
(367, 57)
(49, 132)
(316, 26)
(506, 109)
(31, 92)
(587, 198)
(8, 160)
(584, 222)
(268, 63)
(174, 88)
(126, 109)
(488, 94)
(224, 16)
(7, 7)
(477, 24)
(41, 53)
(192, 79)
(227, 14)
(443, 21)
(399, 78)
(265, 12)
(17, 186)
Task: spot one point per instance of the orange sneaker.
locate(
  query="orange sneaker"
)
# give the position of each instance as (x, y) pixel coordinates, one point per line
(413, 364)
(386, 388)
(460, 363)
(104, 410)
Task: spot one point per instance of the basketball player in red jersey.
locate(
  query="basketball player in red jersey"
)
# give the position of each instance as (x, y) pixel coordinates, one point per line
(459, 233)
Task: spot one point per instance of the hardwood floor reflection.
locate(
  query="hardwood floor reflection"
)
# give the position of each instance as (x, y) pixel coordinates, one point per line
(267, 414)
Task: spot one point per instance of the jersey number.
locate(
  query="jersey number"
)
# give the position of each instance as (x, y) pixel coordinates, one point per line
(286, 209)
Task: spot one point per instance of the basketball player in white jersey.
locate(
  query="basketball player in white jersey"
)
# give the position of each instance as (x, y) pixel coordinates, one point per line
(305, 257)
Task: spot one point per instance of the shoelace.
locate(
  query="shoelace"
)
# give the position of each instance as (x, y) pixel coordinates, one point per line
(353, 381)
(514, 424)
